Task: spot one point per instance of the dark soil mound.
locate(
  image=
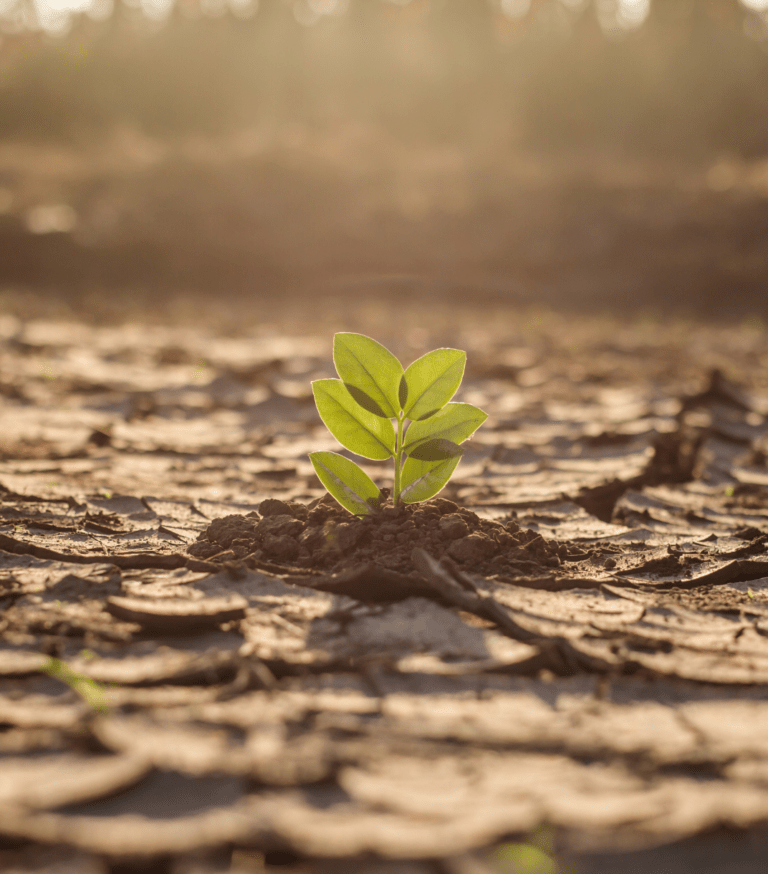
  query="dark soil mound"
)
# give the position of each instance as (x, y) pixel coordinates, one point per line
(324, 536)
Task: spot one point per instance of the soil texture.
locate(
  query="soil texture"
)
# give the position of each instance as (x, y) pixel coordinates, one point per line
(207, 665)
(324, 535)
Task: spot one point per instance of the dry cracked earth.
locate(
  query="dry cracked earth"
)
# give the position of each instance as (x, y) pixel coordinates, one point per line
(207, 666)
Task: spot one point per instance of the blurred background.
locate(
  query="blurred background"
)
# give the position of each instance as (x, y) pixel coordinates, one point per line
(565, 154)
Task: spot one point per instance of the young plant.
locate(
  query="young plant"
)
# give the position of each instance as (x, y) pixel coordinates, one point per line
(379, 410)
(89, 690)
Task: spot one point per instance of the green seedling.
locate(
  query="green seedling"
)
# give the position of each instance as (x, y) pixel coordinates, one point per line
(524, 859)
(380, 410)
(89, 690)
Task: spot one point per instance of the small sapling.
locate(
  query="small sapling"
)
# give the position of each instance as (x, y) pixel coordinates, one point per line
(380, 410)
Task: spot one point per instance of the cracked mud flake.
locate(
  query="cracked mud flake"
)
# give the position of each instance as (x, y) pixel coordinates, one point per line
(189, 749)
(569, 521)
(19, 663)
(415, 625)
(177, 615)
(164, 796)
(267, 754)
(425, 806)
(279, 616)
(27, 575)
(40, 711)
(492, 791)
(166, 665)
(135, 836)
(684, 510)
(47, 782)
(575, 606)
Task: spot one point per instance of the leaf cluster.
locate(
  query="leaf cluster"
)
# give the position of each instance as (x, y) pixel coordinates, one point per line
(374, 389)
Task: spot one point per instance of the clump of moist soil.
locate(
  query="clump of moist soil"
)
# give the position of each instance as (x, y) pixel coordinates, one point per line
(323, 536)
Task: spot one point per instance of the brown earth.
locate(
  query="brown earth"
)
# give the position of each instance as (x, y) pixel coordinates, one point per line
(324, 535)
(206, 665)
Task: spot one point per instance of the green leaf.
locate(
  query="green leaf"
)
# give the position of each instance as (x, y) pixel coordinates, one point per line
(354, 427)
(428, 415)
(370, 367)
(454, 422)
(402, 392)
(422, 480)
(365, 401)
(433, 380)
(350, 485)
(436, 450)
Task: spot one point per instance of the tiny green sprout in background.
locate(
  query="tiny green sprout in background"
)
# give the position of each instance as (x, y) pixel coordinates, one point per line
(750, 594)
(729, 492)
(374, 390)
(524, 859)
(89, 690)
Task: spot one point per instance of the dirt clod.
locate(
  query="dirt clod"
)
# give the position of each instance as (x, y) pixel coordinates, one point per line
(331, 540)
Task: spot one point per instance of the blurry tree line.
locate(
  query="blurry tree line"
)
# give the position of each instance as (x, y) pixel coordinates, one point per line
(673, 77)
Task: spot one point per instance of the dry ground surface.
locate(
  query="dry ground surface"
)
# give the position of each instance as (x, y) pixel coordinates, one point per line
(206, 667)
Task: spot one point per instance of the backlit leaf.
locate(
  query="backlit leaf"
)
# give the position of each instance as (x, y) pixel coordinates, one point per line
(365, 401)
(350, 485)
(403, 392)
(354, 427)
(433, 380)
(454, 422)
(370, 367)
(421, 480)
(435, 450)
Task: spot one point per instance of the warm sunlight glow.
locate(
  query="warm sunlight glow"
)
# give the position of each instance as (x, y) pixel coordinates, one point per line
(515, 8)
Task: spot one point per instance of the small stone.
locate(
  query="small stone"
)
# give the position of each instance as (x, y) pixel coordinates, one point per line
(453, 527)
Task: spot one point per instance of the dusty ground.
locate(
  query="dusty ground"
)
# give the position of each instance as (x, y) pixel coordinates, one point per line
(566, 649)
(129, 219)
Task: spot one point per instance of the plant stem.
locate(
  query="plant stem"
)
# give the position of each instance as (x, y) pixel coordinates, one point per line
(398, 459)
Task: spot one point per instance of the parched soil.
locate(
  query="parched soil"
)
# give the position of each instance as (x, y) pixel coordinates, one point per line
(207, 665)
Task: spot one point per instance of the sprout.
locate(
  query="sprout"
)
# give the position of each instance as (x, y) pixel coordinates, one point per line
(359, 410)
